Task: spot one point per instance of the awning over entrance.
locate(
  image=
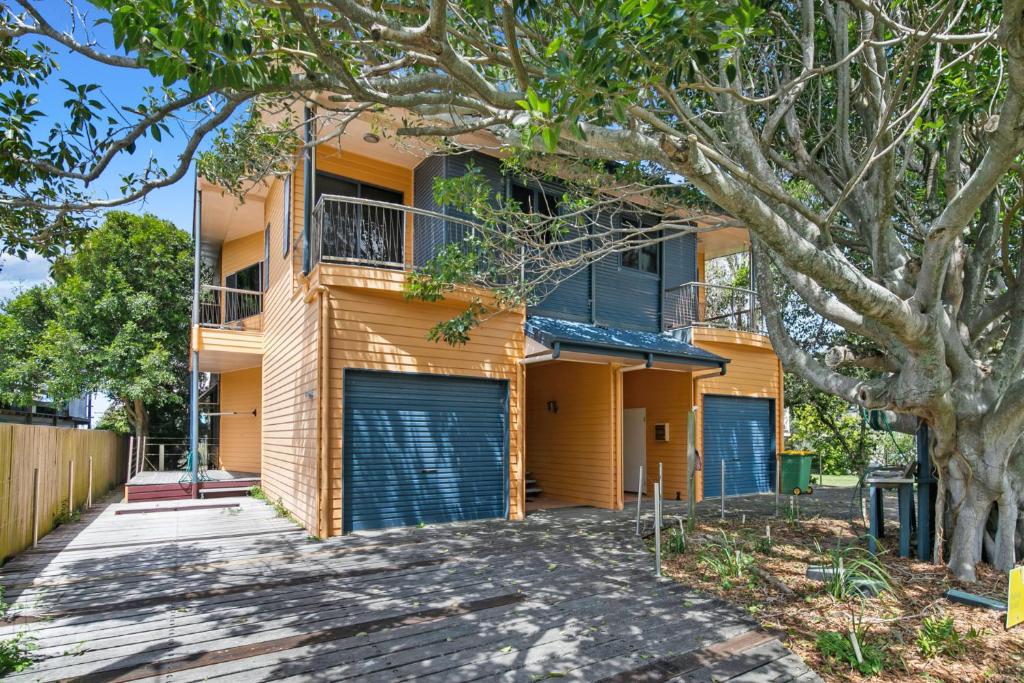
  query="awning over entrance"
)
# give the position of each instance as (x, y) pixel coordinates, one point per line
(554, 339)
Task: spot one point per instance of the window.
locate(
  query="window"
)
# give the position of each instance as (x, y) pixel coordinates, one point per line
(248, 278)
(643, 258)
(266, 257)
(538, 202)
(287, 216)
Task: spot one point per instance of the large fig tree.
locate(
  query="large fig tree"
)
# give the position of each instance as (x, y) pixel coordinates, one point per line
(873, 149)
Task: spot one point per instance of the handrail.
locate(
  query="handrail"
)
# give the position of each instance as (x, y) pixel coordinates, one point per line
(230, 308)
(703, 304)
(374, 232)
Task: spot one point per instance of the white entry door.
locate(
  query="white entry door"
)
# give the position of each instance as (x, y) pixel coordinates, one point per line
(634, 446)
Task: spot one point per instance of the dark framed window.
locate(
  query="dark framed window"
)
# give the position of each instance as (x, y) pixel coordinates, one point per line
(533, 200)
(266, 258)
(287, 220)
(249, 278)
(643, 258)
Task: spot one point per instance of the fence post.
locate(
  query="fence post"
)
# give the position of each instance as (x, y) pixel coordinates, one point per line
(639, 497)
(723, 487)
(35, 507)
(71, 485)
(88, 498)
(142, 453)
(161, 457)
(657, 530)
(131, 454)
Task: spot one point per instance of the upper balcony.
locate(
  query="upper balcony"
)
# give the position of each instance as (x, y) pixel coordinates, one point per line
(368, 232)
(229, 335)
(700, 304)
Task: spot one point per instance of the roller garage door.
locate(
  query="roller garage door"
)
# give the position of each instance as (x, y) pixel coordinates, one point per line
(740, 431)
(423, 448)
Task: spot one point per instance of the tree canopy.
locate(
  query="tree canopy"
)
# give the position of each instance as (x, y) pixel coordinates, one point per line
(115, 320)
(872, 149)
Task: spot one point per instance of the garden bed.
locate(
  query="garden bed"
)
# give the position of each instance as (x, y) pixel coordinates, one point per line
(908, 633)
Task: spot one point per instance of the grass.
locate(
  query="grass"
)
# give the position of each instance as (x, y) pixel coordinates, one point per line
(838, 648)
(727, 559)
(850, 567)
(845, 480)
(259, 494)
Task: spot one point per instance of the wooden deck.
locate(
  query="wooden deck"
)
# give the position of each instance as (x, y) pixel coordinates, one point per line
(150, 485)
(237, 593)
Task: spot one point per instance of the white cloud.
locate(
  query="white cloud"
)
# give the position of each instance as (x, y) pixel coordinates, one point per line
(17, 274)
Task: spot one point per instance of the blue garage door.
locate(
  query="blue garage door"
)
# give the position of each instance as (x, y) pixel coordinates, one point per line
(740, 431)
(423, 448)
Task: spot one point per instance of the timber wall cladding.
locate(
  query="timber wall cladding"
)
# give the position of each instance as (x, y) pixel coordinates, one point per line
(52, 451)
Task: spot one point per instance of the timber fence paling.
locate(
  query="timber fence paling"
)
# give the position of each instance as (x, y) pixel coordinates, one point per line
(40, 467)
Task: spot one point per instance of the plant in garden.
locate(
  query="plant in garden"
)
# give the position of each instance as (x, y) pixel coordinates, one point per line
(938, 636)
(838, 648)
(727, 559)
(872, 149)
(849, 569)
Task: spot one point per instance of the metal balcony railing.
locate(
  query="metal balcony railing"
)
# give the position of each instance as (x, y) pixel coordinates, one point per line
(699, 304)
(230, 309)
(374, 233)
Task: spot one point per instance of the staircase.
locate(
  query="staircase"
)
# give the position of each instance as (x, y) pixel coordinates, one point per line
(532, 488)
(227, 488)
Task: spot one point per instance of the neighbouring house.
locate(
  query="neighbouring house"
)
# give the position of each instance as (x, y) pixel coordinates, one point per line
(76, 414)
(330, 393)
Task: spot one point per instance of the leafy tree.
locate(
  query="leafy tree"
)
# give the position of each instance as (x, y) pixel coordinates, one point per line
(115, 321)
(873, 150)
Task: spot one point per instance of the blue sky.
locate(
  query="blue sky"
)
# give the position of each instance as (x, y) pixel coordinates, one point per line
(123, 86)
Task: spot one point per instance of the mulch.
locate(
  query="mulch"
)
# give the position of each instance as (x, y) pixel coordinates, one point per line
(891, 620)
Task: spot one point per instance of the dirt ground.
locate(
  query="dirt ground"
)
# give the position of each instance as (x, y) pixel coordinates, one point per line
(890, 624)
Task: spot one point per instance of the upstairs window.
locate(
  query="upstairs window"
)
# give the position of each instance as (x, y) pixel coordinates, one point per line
(643, 258)
(249, 278)
(536, 201)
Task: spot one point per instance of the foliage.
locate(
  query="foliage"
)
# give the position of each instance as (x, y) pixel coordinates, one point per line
(849, 568)
(66, 515)
(258, 493)
(938, 636)
(727, 559)
(15, 653)
(837, 647)
(115, 321)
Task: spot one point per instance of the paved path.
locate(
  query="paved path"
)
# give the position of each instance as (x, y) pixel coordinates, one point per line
(239, 594)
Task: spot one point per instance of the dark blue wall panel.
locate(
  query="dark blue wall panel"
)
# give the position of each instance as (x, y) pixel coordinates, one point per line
(428, 235)
(740, 431)
(680, 260)
(423, 448)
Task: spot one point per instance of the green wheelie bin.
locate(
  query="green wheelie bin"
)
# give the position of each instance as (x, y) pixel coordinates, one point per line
(795, 468)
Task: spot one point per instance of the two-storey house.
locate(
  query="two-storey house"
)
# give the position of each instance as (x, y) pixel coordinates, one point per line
(360, 422)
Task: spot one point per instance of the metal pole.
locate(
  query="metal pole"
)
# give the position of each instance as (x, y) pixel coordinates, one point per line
(657, 530)
(193, 422)
(723, 488)
(161, 457)
(639, 497)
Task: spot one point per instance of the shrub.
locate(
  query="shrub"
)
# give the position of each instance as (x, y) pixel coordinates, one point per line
(837, 648)
(727, 559)
(940, 637)
(849, 568)
(15, 654)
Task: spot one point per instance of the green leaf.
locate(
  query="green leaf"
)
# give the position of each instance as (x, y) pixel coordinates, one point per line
(553, 47)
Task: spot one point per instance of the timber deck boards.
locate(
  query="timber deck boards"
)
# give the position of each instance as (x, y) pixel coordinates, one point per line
(239, 594)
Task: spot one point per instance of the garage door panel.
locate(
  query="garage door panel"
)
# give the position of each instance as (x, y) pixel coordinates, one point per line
(397, 425)
(740, 431)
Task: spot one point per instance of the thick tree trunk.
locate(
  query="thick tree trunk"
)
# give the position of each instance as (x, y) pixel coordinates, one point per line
(983, 506)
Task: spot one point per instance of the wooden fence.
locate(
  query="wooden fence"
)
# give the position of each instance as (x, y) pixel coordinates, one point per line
(45, 471)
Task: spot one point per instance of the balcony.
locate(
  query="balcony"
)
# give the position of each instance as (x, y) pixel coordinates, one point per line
(367, 232)
(229, 334)
(226, 308)
(699, 304)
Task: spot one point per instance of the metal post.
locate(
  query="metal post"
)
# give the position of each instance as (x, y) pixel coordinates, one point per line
(657, 530)
(723, 488)
(661, 478)
(193, 422)
(35, 507)
(639, 498)
(161, 457)
(88, 496)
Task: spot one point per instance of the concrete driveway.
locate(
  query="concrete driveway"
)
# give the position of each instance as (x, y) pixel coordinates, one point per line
(236, 593)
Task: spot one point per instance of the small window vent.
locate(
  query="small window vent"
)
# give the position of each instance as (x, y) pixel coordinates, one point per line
(661, 431)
